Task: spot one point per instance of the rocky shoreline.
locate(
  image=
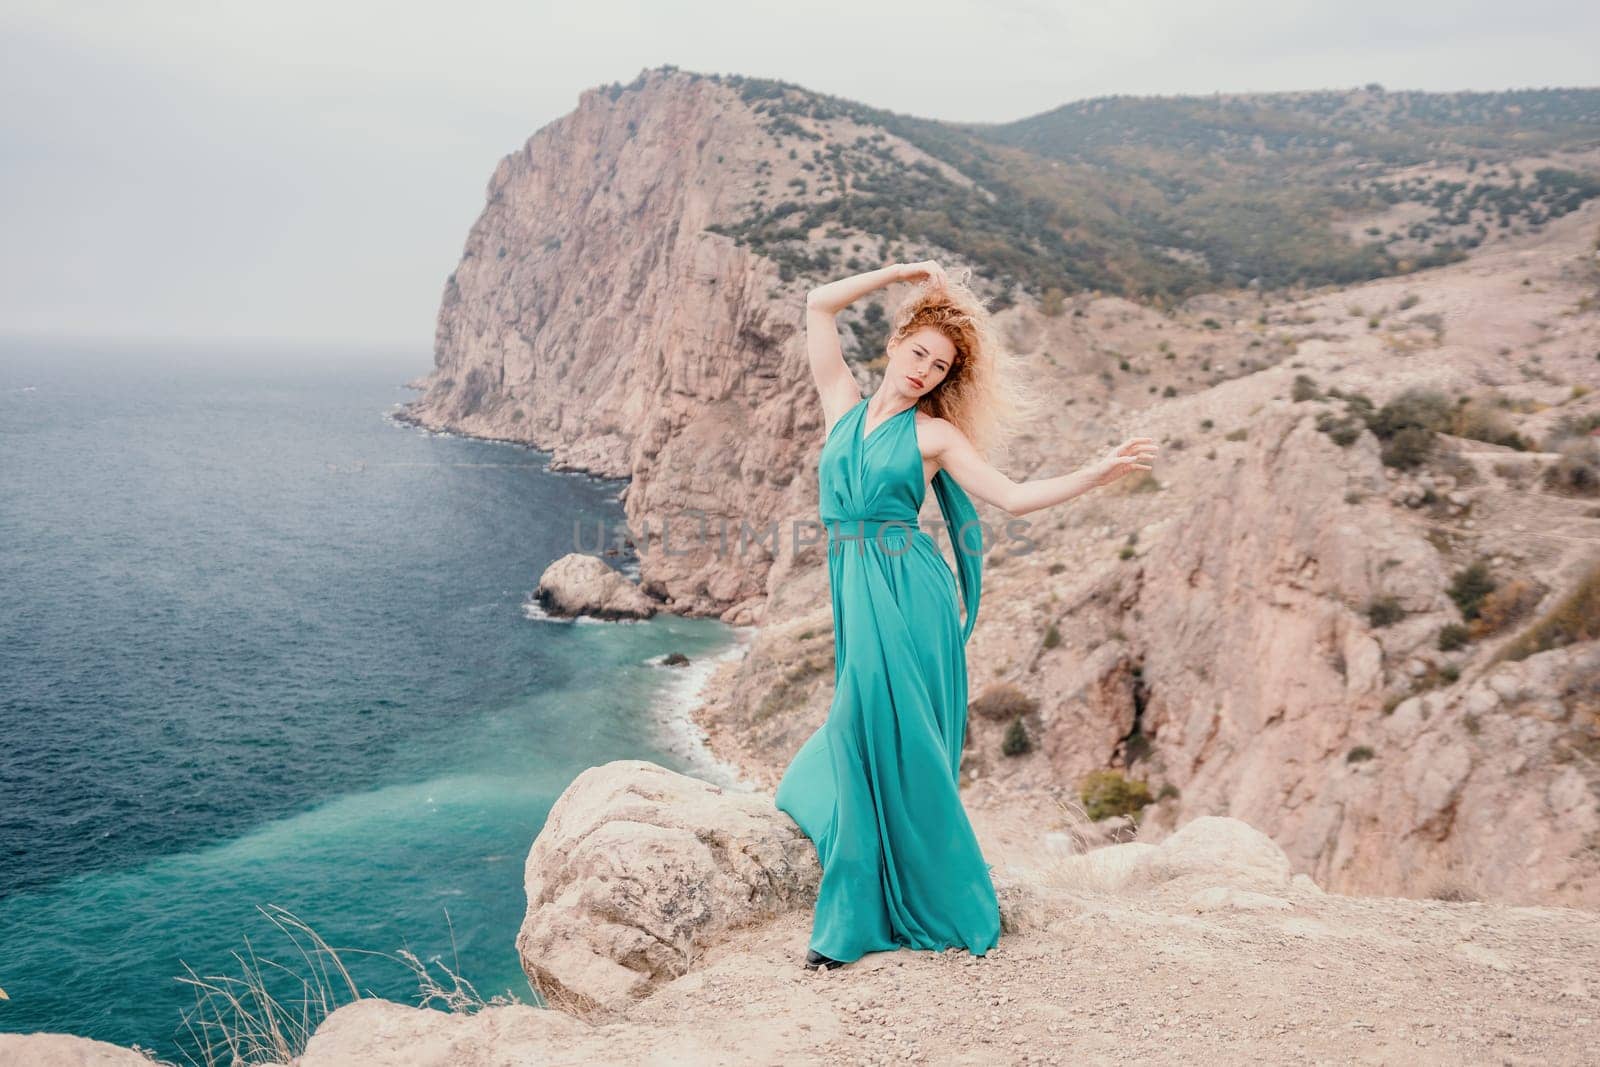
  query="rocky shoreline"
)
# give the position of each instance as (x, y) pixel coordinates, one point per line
(707, 747)
(754, 766)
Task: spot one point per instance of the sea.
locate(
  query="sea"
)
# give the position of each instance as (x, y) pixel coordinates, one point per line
(277, 706)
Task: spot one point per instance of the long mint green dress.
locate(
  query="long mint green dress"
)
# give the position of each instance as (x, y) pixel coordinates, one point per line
(875, 787)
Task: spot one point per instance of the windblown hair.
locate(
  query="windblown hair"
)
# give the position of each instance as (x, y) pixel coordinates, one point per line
(980, 394)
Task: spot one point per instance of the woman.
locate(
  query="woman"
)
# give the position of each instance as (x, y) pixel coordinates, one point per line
(875, 787)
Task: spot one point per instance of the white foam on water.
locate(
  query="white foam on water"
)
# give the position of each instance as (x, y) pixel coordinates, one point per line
(674, 712)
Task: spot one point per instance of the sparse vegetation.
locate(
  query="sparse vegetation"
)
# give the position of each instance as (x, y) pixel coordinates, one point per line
(1506, 605)
(1002, 701)
(1468, 588)
(1025, 201)
(1577, 472)
(1016, 742)
(1576, 617)
(791, 689)
(242, 1020)
(1384, 610)
(1483, 421)
(1409, 447)
(1108, 793)
(1305, 388)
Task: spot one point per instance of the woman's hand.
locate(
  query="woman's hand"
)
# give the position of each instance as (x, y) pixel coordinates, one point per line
(926, 270)
(1132, 455)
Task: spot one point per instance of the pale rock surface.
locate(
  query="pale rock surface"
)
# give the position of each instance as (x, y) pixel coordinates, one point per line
(1235, 645)
(65, 1050)
(596, 315)
(579, 584)
(637, 868)
(381, 1033)
(1208, 849)
(1203, 948)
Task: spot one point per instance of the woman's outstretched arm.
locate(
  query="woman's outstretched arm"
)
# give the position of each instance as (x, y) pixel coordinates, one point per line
(986, 482)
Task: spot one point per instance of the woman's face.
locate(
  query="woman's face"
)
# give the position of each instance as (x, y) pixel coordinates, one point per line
(919, 361)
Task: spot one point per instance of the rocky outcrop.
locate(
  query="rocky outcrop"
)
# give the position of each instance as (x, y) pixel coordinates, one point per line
(597, 313)
(638, 869)
(579, 584)
(595, 316)
(1210, 855)
(1211, 630)
(1267, 692)
(634, 857)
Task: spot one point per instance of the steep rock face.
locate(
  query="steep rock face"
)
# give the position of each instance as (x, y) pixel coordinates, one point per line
(1210, 621)
(1269, 699)
(1208, 628)
(593, 316)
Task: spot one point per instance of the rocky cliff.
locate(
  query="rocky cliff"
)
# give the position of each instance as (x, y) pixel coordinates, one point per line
(596, 316)
(1270, 625)
(1267, 626)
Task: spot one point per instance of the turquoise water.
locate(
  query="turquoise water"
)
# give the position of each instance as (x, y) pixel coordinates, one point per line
(260, 644)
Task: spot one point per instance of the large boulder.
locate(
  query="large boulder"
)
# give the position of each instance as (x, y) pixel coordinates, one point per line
(577, 584)
(639, 869)
(1207, 853)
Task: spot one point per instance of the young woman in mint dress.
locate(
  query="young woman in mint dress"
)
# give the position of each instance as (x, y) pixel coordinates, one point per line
(875, 787)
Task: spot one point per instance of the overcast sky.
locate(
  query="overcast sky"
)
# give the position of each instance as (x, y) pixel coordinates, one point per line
(308, 171)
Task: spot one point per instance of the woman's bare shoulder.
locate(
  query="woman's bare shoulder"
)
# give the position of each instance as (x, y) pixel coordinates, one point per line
(935, 432)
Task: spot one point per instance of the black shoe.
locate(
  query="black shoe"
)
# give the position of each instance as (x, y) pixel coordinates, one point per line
(816, 960)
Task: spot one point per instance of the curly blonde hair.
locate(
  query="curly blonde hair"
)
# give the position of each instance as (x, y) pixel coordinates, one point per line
(980, 393)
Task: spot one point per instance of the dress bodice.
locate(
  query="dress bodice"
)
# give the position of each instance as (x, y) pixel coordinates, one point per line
(871, 479)
(865, 483)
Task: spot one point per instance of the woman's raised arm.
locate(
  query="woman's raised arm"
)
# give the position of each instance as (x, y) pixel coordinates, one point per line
(836, 386)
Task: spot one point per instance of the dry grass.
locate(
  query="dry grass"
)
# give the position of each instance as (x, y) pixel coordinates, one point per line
(559, 997)
(1575, 618)
(237, 1021)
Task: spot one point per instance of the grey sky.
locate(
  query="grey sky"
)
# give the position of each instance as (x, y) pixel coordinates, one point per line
(309, 170)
